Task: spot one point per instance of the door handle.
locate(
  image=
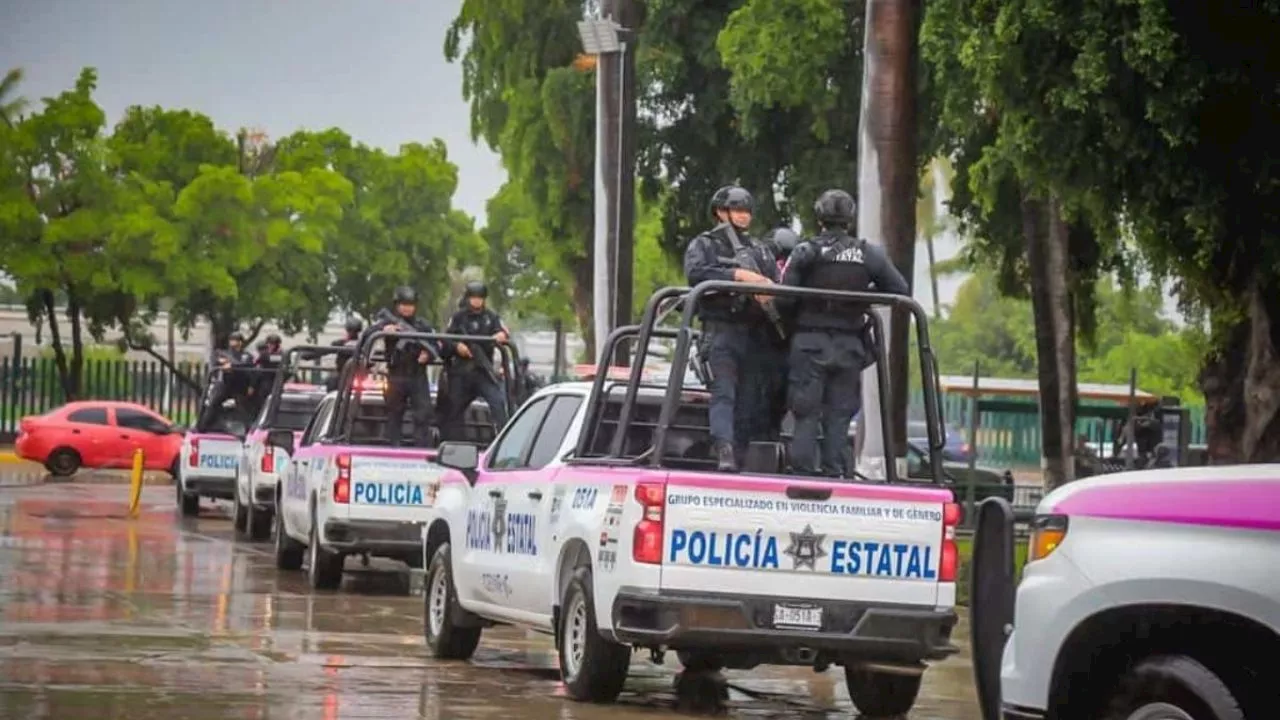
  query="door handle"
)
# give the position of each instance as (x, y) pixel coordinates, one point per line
(535, 494)
(495, 493)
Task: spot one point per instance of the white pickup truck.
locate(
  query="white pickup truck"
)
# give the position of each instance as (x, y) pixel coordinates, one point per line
(262, 463)
(346, 493)
(611, 552)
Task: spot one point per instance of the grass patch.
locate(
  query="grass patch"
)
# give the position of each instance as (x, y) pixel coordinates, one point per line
(965, 547)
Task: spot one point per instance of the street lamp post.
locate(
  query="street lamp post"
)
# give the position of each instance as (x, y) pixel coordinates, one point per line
(601, 38)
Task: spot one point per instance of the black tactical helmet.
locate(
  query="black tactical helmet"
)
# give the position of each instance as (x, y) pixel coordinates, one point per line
(236, 335)
(783, 240)
(739, 199)
(274, 339)
(476, 289)
(354, 326)
(835, 208)
(406, 295)
(718, 199)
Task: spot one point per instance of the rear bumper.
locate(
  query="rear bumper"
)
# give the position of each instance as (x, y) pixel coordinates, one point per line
(264, 494)
(222, 488)
(850, 630)
(387, 538)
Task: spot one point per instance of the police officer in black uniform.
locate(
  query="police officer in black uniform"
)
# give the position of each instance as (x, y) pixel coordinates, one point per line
(232, 382)
(781, 242)
(471, 370)
(830, 348)
(407, 360)
(269, 358)
(353, 328)
(738, 333)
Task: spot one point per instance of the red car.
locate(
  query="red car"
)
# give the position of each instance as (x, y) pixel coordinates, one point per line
(98, 434)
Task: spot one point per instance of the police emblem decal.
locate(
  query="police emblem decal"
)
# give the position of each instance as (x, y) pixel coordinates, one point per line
(499, 526)
(805, 549)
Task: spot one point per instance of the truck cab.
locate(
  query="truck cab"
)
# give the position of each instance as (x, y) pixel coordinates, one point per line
(597, 516)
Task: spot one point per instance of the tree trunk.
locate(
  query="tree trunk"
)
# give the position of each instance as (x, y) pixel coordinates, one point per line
(582, 304)
(1241, 385)
(933, 275)
(1046, 235)
(55, 338)
(891, 33)
(77, 343)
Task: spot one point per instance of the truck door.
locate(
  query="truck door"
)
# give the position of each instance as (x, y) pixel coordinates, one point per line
(499, 536)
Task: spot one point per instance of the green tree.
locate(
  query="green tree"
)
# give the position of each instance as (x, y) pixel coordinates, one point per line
(1150, 112)
(11, 104)
(400, 226)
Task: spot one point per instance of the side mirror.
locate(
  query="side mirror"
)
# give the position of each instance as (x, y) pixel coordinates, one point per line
(463, 457)
(282, 439)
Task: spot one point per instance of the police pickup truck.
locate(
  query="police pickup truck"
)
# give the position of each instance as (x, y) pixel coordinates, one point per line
(597, 516)
(290, 408)
(345, 491)
(209, 461)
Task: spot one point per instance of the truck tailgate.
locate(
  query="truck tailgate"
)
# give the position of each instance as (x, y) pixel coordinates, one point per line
(803, 538)
(211, 456)
(390, 488)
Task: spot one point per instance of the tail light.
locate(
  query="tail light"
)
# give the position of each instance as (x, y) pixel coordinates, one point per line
(269, 460)
(193, 458)
(342, 486)
(950, 561)
(646, 545)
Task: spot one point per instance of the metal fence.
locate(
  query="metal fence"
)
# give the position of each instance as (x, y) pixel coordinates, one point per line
(30, 386)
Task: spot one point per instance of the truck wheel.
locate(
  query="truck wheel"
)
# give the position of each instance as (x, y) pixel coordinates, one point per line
(1172, 687)
(63, 462)
(881, 694)
(258, 523)
(325, 569)
(188, 505)
(288, 551)
(593, 668)
(699, 662)
(239, 515)
(446, 640)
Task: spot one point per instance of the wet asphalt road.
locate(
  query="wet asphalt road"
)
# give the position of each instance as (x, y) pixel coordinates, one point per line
(108, 618)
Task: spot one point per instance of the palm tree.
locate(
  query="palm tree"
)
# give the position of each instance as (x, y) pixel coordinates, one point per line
(935, 183)
(11, 105)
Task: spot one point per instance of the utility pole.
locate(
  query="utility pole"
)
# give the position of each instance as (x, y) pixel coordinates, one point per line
(611, 43)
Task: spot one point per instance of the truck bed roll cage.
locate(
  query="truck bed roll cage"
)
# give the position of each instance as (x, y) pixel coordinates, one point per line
(664, 302)
(290, 359)
(363, 356)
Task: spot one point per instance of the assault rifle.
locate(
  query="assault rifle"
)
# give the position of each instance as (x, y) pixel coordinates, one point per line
(745, 259)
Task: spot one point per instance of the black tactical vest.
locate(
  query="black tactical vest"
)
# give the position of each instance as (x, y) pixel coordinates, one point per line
(838, 266)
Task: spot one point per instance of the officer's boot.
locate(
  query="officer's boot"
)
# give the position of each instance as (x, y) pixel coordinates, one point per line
(726, 459)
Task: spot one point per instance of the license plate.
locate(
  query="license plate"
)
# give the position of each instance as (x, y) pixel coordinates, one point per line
(797, 616)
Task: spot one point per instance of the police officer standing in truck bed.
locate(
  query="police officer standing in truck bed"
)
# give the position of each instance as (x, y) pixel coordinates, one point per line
(829, 349)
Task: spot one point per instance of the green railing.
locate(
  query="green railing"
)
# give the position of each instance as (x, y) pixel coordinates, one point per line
(31, 386)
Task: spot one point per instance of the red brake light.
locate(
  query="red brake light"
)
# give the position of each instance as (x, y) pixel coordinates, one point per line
(269, 460)
(193, 458)
(646, 545)
(342, 486)
(949, 563)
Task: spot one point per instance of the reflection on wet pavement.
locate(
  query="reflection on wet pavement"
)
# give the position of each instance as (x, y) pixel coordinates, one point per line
(109, 618)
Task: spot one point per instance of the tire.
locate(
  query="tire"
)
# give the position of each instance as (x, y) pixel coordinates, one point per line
(1172, 686)
(592, 668)
(880, 694)
(288, 551)
(188, 505)
(446, 640)
(699, 661)
(239, 514)
(324, 571)
(258, 523)
(63, 462)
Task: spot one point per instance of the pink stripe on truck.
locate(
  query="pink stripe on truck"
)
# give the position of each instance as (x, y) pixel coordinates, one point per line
(1246, 504)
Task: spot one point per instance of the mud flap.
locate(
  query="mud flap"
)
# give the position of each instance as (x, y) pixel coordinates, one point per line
(991, 596)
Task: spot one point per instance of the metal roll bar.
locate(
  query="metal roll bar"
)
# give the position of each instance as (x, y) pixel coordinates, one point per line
(688, 299)
(364, 350)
